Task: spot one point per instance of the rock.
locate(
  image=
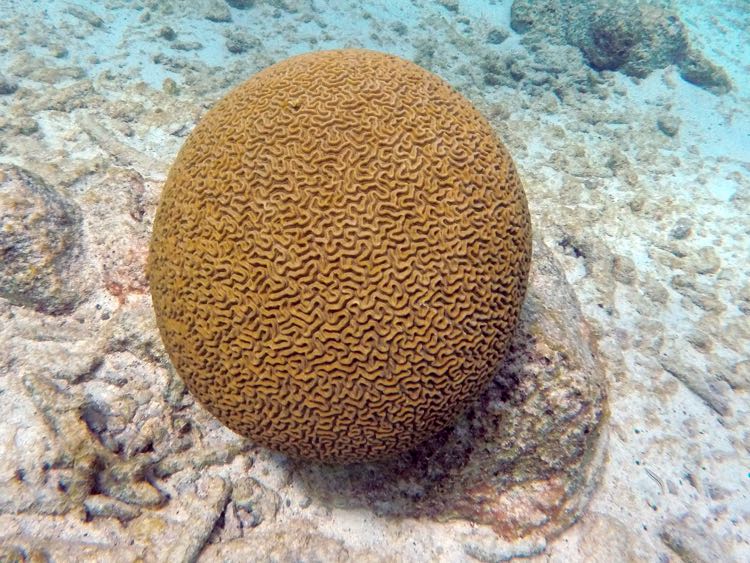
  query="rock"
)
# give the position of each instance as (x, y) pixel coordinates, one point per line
(61, 51)
(739, 376)
(496, 36)
(292, 543)
(684, 364)
(217, 11)
(195, 460)
(254, 503)
(624, 270)
(7, 86)
(400, 28)
(633, 38)
(692, 542)
(10, 553)
(124, 481)
(22, 548)
(167, 33)
(240, 42)
(523, 460)
(241, 4)
(40, 244)
(490, 549)
(169, 86)
(668, 124)
(25, 126)
(116, 203)
(698, 70)
(84, 15)
(707, 261)
(743, 299)
(198, 516)
(187, 45)
(682, 229)
(702, 295)
(100, 506)
(602, 535)
(450, 5)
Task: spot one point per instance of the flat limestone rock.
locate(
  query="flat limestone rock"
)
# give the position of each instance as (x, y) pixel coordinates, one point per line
(524, 459)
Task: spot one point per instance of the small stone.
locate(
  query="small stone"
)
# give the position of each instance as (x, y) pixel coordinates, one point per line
(739, 376)
(708, 262)
(241, 4)
(26, 126)
(167, 33)
(491, 548)
(743, 299)
(399, 28)
(100, 506)
(187, 45)
(636, 204)
(217, 11)
(85, 15)
(239, 42)
(450, 5)
(655, 291)
(682, 229)
(254, 503)
(623, 269)
(169, 86)
(121, 482)
(181, 425)
(699, 340)
(669, 125)
(19, 554)
(496, 36)
(7, 86)
(58, 51)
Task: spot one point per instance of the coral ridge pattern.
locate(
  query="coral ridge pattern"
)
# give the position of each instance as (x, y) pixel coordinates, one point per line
(340, 256)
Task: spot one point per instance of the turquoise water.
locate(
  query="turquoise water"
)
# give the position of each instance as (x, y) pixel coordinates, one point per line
(451, 37)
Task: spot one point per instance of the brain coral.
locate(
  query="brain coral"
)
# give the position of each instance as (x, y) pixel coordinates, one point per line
(339, 256)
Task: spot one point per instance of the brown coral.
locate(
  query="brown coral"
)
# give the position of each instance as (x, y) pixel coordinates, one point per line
(340, 256)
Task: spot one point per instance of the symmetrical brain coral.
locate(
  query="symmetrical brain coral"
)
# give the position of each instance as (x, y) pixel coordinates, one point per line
(340, 256)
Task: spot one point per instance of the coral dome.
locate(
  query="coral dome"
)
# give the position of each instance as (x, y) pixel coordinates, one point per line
(340, 256)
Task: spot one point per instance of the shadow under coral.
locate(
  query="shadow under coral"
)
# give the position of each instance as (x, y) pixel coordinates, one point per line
(524, 457)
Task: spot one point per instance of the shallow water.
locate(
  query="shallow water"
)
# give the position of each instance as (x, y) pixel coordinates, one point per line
(638, 182)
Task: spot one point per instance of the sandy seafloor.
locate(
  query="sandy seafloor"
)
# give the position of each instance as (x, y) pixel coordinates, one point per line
(650, 223)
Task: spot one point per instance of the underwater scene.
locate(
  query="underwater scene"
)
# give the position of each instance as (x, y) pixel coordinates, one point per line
(393, 280)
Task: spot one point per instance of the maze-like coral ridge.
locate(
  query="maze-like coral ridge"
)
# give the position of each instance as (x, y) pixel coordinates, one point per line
(339, 256)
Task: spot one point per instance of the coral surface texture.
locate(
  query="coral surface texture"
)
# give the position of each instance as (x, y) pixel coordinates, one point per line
(340, 256)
